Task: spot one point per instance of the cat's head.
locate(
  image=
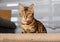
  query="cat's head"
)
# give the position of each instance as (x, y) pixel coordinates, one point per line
(26, 13)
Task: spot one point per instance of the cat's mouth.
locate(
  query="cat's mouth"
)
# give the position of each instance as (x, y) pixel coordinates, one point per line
(25, 22)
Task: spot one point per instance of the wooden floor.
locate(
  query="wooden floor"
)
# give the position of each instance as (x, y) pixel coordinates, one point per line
(30, 37)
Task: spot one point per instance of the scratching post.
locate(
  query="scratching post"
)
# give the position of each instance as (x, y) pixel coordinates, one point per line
(30, 37)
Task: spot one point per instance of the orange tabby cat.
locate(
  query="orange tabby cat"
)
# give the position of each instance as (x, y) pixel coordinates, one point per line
(28, 23)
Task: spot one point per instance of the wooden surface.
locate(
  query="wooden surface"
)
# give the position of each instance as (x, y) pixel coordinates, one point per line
(30, 37)
(6, 14)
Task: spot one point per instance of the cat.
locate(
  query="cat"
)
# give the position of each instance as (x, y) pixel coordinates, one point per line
(28, 23)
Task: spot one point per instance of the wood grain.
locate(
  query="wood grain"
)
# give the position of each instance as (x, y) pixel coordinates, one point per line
(30, 37)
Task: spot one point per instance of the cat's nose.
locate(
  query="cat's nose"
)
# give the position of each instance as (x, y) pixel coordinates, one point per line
(25, 17)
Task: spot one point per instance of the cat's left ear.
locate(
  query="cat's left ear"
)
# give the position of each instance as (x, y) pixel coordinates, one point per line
(31, 7)
(21, 7)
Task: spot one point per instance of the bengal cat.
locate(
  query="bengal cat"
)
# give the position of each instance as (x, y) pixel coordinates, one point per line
(28, 23)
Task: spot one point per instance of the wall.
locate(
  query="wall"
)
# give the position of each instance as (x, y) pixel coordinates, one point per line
(47, 11)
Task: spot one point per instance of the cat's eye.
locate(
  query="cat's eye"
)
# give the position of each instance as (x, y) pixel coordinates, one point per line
(28, 13)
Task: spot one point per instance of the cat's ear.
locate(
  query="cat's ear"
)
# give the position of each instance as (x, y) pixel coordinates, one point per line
(31, 7)
(21, 7)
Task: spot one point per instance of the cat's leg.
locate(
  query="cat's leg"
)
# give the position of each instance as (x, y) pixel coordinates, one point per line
(42, 29)
(45, 31)
(23, 30)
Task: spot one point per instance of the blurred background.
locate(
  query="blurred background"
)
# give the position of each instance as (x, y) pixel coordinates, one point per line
(47, 11)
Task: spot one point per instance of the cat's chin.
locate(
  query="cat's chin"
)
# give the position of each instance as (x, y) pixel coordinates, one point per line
(25, 23)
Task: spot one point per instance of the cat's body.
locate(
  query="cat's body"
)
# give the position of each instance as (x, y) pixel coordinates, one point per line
(28, 23)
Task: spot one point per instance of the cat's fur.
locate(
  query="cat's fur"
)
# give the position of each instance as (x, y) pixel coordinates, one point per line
(28, 23)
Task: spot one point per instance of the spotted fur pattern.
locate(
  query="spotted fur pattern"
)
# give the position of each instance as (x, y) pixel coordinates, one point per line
(28, 23)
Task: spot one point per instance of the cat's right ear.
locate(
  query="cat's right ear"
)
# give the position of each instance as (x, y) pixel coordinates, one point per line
(21, 7)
